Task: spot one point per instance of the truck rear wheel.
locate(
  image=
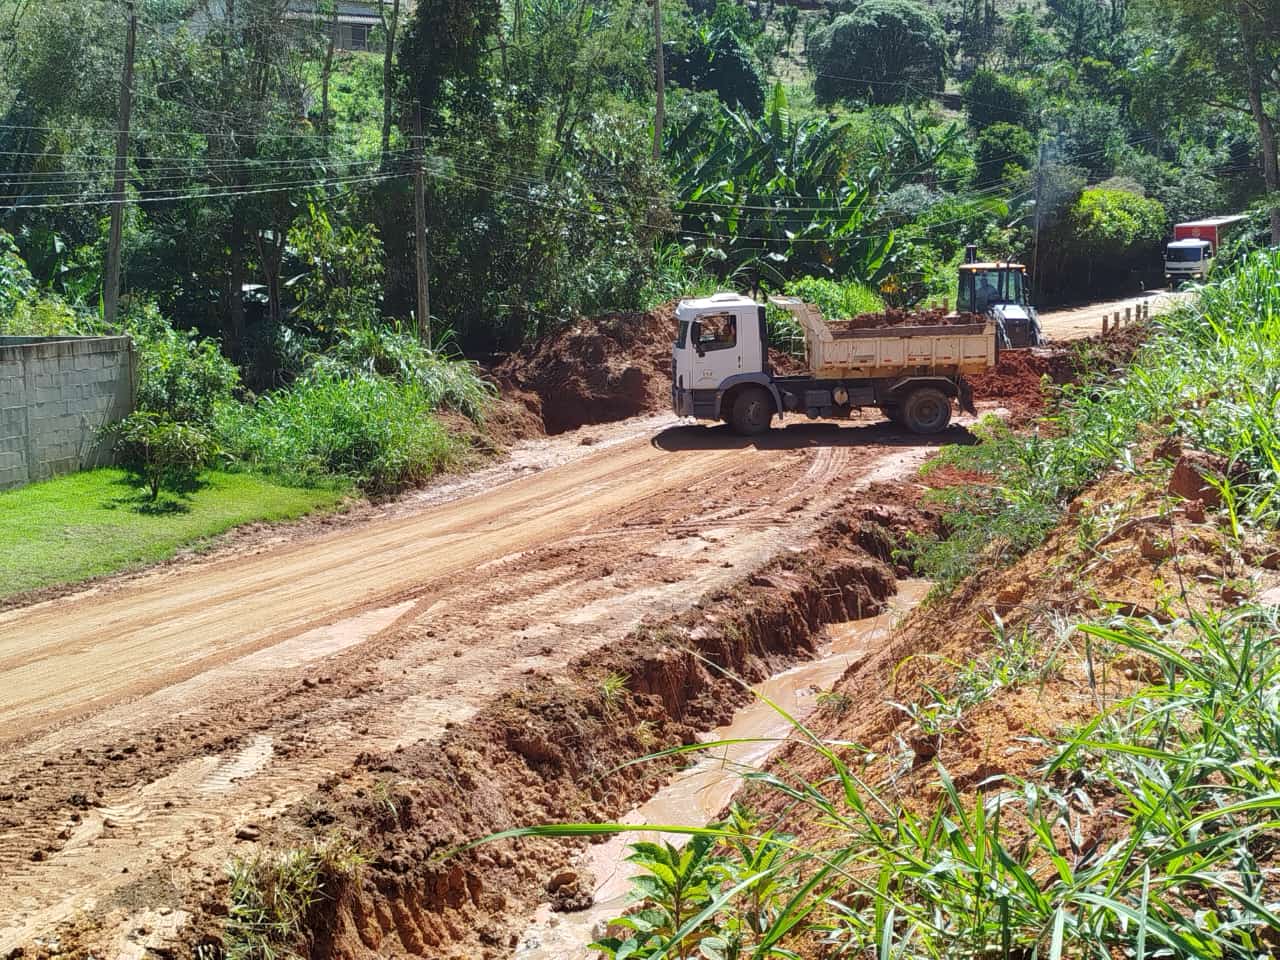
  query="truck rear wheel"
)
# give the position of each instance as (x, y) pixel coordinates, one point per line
(926, 410)
(752, 412)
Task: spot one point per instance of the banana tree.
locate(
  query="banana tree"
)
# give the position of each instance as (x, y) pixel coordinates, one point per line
(772, 198)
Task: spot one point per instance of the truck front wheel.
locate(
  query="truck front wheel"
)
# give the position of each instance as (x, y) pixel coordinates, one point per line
(926, 410)
(752, 412)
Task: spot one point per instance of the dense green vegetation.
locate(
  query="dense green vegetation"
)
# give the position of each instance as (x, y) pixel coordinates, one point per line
(86, 524)
(864, 141)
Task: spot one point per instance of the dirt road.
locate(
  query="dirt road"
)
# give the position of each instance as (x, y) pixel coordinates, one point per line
(146, 724)
(1077, 323)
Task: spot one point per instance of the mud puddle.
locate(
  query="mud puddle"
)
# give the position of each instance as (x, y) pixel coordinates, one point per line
(697, 795)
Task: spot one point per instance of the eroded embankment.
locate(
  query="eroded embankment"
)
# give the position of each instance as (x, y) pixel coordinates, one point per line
(979, 692)
(549, 753)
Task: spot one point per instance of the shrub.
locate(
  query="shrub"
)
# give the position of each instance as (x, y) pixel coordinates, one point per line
(163, 454)
(1110, 224)
(181, 377)
(378, 433)
(992, 98)
(1000, 147)
(886, 51)
(719, 62)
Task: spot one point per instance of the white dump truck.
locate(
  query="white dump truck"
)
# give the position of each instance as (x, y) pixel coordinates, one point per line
(721, 370)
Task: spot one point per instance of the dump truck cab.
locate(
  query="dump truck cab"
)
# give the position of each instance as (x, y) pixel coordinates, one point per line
(721, 341)
(999, 290)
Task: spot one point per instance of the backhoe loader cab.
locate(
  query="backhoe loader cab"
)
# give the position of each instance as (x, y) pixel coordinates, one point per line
(999, 290)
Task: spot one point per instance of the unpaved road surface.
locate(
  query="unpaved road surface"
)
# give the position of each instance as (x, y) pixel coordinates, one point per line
(1077, 323)
(146, 723)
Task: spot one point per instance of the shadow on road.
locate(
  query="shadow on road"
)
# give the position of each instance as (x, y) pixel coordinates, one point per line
(804, 436)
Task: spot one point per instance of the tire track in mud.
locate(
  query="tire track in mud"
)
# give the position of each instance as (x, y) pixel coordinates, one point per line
(157, 785)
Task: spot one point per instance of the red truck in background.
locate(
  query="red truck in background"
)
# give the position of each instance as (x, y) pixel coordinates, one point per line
(1195, 244)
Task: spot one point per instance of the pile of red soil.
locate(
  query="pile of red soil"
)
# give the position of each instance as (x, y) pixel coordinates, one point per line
(1016, 381)
(936, 317)
(601, 369)
(598, 370)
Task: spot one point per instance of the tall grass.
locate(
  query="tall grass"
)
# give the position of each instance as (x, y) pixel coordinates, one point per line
(448, 382)
(1209, 374)
(1152, 831)
(837, 300)
(379, 433)
(675, 274)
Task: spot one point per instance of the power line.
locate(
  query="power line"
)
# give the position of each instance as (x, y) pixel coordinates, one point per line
(283, 187)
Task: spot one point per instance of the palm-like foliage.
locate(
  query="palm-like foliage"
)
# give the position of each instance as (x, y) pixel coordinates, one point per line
(771, 198)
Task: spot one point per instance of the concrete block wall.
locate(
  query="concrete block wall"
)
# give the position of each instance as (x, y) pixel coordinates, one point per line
(57, 394)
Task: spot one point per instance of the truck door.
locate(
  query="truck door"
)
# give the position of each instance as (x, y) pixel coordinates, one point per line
(717, 341)
(752, 338)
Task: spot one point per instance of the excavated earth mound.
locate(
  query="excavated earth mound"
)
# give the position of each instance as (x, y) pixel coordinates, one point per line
(1017, 381)
(596, 371)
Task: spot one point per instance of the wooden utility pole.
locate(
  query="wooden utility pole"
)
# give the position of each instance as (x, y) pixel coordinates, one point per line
(420, 229)
(111, 273)
(660, 70)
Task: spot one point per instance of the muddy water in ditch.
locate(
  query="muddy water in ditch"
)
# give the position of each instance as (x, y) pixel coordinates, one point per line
(698, 794)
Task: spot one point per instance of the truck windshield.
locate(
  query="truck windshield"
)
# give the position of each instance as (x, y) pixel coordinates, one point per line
(683, 336)
(1184, 254)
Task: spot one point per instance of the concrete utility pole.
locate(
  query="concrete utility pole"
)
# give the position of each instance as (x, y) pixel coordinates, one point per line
(111, 271)
(660, 69)
(420, 229)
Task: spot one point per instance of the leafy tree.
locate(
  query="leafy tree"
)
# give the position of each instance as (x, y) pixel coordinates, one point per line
(182, 378)
(885, 51)
(999, 147)
(1091, 134)
(718, 61)
(1227, 53)
(444, 45)
(1105, 236)
(1082, 26)
(1112, 223)
(342, 282)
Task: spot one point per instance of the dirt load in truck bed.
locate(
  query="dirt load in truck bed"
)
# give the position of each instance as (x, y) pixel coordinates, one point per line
(891, 318)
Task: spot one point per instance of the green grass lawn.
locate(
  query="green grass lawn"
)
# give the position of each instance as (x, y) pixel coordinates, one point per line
(85, 524)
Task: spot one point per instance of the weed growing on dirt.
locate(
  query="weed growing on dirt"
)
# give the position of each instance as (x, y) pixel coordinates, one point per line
(612, 688)
(836, 701)
(1151, 831)
(271, 895)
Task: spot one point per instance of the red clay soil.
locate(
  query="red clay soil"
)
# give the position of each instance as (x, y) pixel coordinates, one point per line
(551, 751)
(598, 370)
(1016, 382)
(937, 317)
